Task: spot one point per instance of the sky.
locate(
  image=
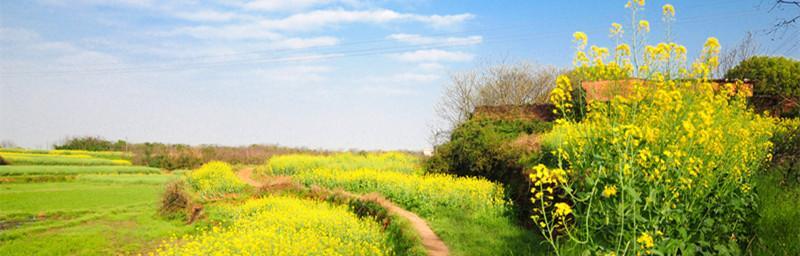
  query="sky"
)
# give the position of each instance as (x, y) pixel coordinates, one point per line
(329, 74)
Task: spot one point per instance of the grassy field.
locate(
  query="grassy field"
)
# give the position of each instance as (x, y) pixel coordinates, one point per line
(19, 170)
(778, 224)
(63, 157)
(92, 215)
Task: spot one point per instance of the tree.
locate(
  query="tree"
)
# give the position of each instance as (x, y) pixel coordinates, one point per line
(777, 80)
(501, 84)
(747, 48)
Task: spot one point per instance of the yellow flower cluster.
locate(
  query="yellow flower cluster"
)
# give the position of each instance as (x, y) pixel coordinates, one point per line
(561, 96)
(277, 225)
(421, 193)
(214, 179)
(294, 163)
(650, 158)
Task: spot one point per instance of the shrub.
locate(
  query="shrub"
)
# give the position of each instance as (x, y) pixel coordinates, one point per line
(86, 143)
(786, 153)
(666, 168)
(484, 148)
(777, 83)
(215, 178)
(175, 200)
(3, 161)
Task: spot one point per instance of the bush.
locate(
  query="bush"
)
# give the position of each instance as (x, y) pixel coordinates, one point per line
(86, 143)
(777, 83)
(786, 153)
(215, 179)
(175, 200)
(481, 148)
(485, 148)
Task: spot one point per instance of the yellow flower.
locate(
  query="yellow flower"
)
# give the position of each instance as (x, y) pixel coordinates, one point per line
(668, 10)
(610, 191)
(645, 240)
(580, 38)
(563, 209)
(616, 29)
(623, 49)
(644, 25)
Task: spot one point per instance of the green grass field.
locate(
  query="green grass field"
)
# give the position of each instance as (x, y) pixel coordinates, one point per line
(19, 170)
(778, 224)
(92, 215)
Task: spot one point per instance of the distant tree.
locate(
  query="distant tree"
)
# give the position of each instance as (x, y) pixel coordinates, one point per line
(86, 143)
(501, 84)
(7, 144)
(777, 79)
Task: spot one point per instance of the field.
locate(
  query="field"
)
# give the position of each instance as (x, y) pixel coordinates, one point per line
(72, 203)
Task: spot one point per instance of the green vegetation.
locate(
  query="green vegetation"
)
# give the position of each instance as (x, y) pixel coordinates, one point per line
(778, 223)
(462, 211)
(215, 179)
(83, 217)
(14, 170)
(777, 83)
(294, 163)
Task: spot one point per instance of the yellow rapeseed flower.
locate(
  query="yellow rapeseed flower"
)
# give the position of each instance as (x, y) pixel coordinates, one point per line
(609, 191)
(644, 25)
(668, 10)
(646, 241)
(562, 209)
(580, 38)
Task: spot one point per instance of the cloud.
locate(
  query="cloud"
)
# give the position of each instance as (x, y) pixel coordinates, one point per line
(325, 18)
(292, 75)
(206, 15)
(403, 77)
(431, 66)
(433, 55)
(300, 43)
(419, 39)
(283, 5)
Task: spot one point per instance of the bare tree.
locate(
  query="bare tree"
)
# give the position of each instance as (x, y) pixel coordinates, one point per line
(500, 84)
(747, 48)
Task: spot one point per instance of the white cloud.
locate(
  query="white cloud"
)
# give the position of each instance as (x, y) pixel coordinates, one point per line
(300, 43)
(283, 5)
(206, 15)
(419, 39)
(325, 18)
(444, 21)
(229, 32)
(295, 74)
(433, 55)
(431, 66)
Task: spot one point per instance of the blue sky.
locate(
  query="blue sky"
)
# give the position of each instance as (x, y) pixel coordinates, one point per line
(315, 73)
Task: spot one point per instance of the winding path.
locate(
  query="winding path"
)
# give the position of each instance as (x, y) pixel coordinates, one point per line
(433, 244)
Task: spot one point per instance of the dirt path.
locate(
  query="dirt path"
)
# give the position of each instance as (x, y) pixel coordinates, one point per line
(433, 244)
(246, 175)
